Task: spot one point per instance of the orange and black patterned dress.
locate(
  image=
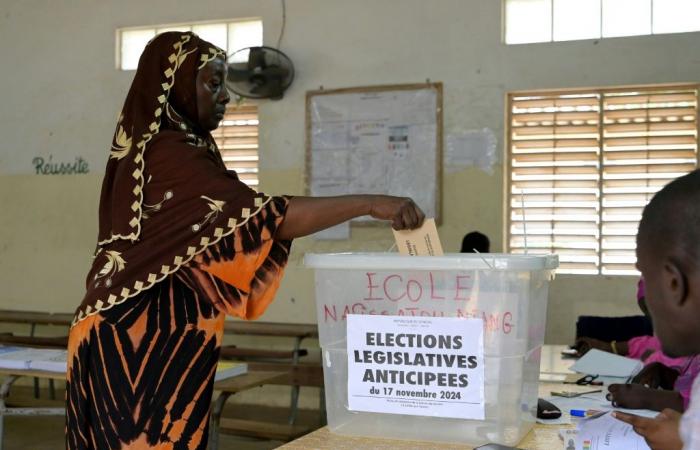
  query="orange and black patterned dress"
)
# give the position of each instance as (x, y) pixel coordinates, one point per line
(182, 243)
(141, 374)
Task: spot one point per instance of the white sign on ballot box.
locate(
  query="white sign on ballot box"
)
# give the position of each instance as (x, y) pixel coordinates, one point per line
(421, 366)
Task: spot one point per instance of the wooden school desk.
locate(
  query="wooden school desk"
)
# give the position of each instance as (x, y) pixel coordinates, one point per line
(12, 375)
(232, 385)
(541, 437)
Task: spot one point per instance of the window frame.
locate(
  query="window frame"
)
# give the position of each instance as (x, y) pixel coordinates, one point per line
(120, 30)
(231, 107)
(504, 27)
(508, 166)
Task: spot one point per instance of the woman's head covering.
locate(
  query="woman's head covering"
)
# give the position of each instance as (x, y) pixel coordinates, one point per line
(167, 196)
(164, 85)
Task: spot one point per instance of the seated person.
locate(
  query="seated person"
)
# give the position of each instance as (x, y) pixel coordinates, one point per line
(665, 382)
(475, 242)
(644, 348)
(668, 255)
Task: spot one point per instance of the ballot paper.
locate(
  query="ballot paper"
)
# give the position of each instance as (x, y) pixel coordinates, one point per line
(597, 362)
(604, 432)
(423, 241)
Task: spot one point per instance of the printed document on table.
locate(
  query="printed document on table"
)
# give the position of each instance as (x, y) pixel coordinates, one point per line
(597, 362)
(605, 432)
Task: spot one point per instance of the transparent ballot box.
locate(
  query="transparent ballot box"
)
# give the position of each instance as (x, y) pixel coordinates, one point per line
(377, 311)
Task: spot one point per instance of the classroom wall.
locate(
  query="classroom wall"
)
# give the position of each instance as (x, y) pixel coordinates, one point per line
(61, 94)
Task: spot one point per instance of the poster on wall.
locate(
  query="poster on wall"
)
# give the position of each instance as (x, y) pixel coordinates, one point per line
(376, 140)
(421, 366)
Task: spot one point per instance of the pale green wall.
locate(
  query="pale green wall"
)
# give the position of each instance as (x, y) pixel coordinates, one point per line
(48, 227)
(61, 94)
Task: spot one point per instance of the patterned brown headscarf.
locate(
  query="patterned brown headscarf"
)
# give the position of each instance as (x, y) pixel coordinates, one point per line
(154, 93)
(166, 194)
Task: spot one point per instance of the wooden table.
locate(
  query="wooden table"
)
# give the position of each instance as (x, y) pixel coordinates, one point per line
(541, 437)
(551, 361)
(36, 317)
(229, 387)
(12, 375)
(298, 331)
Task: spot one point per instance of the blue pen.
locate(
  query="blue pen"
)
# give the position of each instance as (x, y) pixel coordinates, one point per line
(582, 412)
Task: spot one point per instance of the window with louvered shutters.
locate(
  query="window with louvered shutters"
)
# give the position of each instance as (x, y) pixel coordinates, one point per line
(583, 164)
(237, 138)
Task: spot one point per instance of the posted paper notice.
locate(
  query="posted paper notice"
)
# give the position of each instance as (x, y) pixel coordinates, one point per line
(420, 366)
(423, 241)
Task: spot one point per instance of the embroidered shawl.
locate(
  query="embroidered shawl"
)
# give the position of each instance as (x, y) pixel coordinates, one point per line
(166, 195)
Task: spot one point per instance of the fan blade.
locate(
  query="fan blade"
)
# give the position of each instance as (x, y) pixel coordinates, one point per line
(256, 58)
(236, 74)
(278, 72)
(266, 73)
(271, 89)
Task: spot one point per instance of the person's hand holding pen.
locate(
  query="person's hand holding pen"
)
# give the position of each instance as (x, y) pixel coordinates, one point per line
(636, 396)
(656, 375)
(631, 396)
(660, 433)
(652, 388)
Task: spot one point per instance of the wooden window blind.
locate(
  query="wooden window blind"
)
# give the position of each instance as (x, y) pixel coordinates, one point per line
(237, 138)
(583, 164)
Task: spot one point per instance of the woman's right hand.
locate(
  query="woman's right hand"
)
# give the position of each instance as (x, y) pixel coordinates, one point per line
(403, 213)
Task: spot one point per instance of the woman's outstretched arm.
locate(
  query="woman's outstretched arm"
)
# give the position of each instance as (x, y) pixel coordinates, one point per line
(307, 215)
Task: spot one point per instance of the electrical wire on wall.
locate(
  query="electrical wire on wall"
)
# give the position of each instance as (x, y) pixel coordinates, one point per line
(284, 22)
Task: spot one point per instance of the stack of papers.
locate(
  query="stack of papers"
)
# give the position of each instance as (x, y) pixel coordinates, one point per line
(604, 364)
(23, 358)
(228, 369)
